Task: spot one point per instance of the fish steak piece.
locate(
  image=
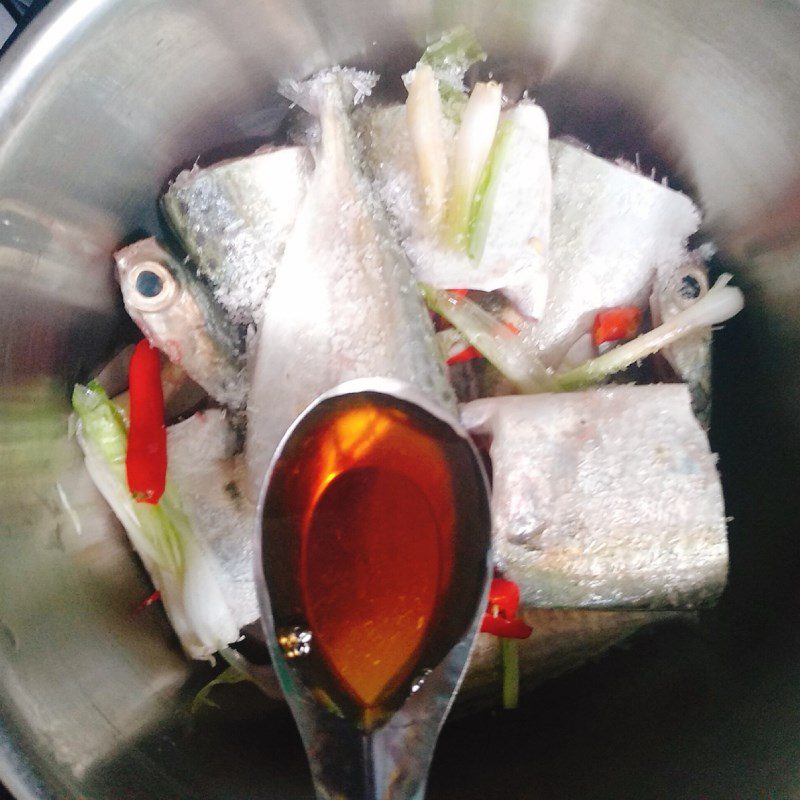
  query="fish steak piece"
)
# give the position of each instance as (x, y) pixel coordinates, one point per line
(344, 304)
(604, 499)
(180, 317)
(612, 231)
(234, 217)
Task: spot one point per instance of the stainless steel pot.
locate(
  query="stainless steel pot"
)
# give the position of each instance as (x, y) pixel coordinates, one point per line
(100, 102)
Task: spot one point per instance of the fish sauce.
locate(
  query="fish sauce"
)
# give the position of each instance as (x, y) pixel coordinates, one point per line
(373, 527)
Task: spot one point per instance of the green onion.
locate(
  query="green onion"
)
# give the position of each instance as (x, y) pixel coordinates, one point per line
(450, 57)
(424, 112)
(480, 215)
(503, 348)
(509, 657)
(472, 147)
(202, 698)
(720, 303)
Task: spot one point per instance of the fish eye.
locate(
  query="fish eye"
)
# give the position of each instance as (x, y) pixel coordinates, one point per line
(689, 288)
(149, 284)
(689, 285)
(152, 286)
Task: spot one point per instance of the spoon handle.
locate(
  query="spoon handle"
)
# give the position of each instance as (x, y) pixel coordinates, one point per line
(390, 763)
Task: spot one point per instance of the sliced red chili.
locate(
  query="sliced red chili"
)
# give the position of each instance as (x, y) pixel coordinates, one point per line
(149, 600)
(467, 354)
(504, 597)
(458, 292)
(503, 606)
(614, 324)
(505, 628)
(146, 459)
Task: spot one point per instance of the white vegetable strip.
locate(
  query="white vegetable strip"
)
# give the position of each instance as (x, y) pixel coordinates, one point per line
(503, 348)
(719, 304)
(424, 112)
(472, 148)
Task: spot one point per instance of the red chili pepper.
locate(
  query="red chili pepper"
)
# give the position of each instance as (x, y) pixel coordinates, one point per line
(505, 628)
(146, 460)
(458, 292)
(615, 323)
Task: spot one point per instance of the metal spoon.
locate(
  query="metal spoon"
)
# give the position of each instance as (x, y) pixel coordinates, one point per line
(358, 748)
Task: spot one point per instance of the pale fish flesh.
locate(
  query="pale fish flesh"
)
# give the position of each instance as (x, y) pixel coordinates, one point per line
(690, 358)
(176, 312)
(233, 218)
(344, 304)
(606, 498)
(209, 481)
(514, 256)
(613, 230)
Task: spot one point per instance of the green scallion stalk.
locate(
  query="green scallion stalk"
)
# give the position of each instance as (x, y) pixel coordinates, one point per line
(450, 57)
(509, 656)
(719, 304)
(480, 215)
(472, 147)
(500, 346)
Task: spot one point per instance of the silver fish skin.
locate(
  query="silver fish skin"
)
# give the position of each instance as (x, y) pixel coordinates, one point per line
(344, 304)
(689, 358)
(177, 313)
(612, 231)
(604, 499)
(233, 218)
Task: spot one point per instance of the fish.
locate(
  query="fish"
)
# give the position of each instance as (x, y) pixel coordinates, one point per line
(689, 359)
(344, 304)
(518, 232)
(612, 232)
(178, 314)
(208, 477)
(234, 217)
(608, 498)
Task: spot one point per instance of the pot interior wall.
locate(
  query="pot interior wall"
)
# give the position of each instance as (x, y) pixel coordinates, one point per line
(101, 101)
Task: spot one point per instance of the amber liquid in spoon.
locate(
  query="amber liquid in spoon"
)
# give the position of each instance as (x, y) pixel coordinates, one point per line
(369, 544)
